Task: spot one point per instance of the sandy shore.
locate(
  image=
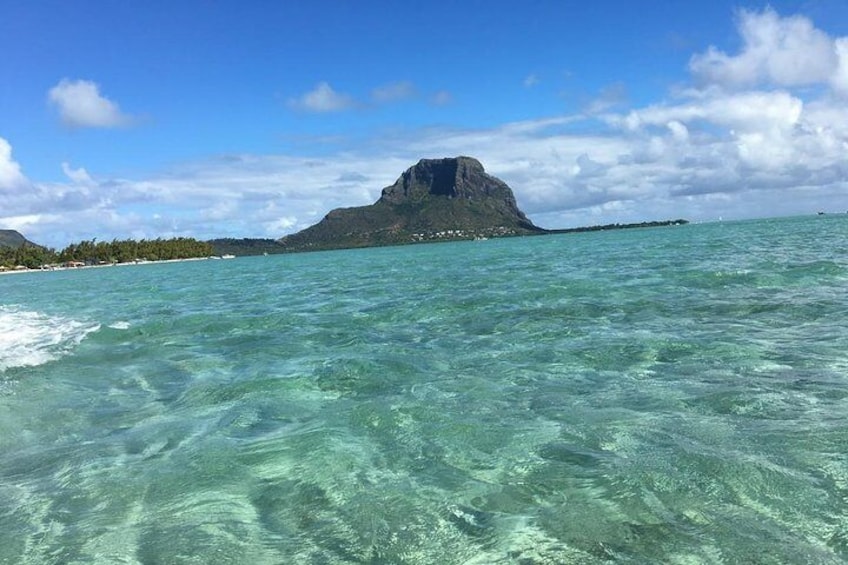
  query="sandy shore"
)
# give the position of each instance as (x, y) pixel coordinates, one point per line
(62, 268)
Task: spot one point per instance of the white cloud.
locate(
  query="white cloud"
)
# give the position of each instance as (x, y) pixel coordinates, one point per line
(779, 51)
(78, 176)
(585, 167)
(280, 225)
(530, 80)
(839, 78)
(393, 92)
(11, 176)
(26, 223)
(740, 111)
(679, 131)
(322, 98)
(680, 162)
(221, 209)
(80, 104)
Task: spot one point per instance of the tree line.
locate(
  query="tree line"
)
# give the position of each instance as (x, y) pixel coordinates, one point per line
(93, 252)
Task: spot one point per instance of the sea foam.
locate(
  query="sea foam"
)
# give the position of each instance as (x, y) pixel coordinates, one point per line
(28, 339)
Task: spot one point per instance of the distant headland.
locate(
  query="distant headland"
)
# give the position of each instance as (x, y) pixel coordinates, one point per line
(434, 200)
(19, 254)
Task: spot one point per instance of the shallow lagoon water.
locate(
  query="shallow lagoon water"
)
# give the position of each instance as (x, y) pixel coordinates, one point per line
(674, 395)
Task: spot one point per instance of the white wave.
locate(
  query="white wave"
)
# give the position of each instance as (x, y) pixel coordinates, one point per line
(119, 326)
(29, 338)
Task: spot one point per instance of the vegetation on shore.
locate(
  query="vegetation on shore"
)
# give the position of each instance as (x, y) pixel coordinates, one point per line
(246, 246)
(656, 224)
(95, 252)
(255, 246)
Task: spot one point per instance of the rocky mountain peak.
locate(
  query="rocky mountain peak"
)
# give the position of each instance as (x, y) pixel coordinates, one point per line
(435, 199)
(454, 177)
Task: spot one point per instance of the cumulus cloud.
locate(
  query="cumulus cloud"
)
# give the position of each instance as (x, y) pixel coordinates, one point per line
(11, 176)
(741, 111)
(80, 104)
(776, 51)
(322, 99)
(678, 162)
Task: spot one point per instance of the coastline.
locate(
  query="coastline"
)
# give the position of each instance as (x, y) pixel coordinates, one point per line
(128, 264)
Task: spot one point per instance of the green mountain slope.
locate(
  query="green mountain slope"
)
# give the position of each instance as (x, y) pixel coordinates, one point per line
(13, 239)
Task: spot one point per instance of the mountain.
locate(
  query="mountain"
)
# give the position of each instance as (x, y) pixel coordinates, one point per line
(12, 239)
(436, 199)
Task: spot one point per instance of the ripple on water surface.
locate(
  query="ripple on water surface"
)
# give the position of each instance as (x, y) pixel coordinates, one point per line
(658, 396)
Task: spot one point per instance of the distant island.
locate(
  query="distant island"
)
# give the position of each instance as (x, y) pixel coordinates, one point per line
(434, 200)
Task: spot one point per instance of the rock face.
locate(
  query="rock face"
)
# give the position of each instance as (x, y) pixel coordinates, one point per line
(437, 199)
(459, 177)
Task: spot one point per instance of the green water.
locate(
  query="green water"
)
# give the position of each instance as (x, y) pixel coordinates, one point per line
(670, 395)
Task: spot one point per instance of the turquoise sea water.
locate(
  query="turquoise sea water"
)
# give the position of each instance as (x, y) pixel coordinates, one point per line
(671, 395)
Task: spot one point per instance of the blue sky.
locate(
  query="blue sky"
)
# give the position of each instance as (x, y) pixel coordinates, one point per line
(223, 118)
